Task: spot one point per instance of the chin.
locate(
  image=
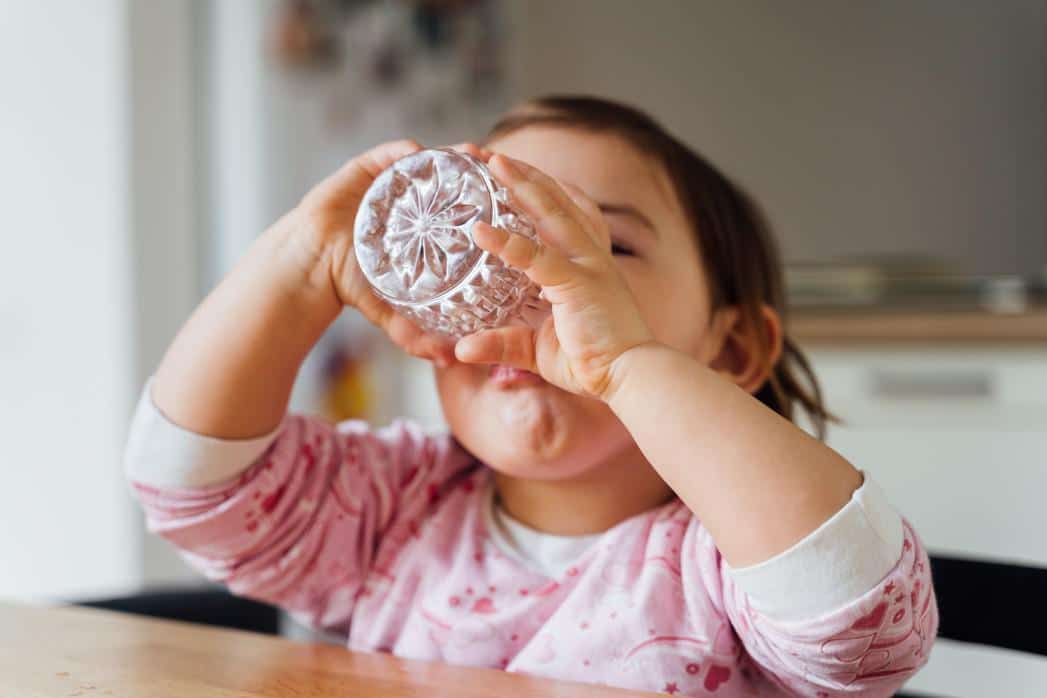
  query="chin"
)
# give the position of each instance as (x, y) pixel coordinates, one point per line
(522, 426)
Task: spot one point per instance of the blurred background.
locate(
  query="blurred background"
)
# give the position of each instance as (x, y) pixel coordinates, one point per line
(899, 149)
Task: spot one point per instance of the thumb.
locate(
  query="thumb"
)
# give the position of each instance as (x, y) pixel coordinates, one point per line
(404, 333)
(511, 346)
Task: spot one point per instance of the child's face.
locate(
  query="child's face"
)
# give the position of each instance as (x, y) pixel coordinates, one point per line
(528, 428)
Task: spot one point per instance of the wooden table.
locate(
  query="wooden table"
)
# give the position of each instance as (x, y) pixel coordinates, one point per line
(91, 653)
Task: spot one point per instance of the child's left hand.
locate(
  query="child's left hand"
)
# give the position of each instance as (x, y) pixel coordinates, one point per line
(594, 318)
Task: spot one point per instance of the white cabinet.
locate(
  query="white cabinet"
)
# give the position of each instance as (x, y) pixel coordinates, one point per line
(958, 440)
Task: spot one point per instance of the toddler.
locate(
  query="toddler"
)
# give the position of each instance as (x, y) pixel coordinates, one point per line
(622, 498)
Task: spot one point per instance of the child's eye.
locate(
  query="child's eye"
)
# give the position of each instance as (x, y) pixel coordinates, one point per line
(620, 249)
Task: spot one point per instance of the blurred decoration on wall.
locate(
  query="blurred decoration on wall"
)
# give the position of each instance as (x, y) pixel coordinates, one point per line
(347, 381)
(419, 57)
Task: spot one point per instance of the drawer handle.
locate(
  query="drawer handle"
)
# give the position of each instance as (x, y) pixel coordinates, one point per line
(931, 385)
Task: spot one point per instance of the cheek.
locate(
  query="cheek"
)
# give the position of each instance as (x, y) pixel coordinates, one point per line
(674, 305)
(458, 383)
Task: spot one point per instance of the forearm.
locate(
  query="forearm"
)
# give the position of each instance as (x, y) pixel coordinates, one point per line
(755, 480)
(230, 370)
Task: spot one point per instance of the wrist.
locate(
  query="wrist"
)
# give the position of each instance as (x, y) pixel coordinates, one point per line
(230, 370)
(628, 364)
(297, 270)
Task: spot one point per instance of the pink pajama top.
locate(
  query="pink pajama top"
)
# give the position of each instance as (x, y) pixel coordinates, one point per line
(390, 538)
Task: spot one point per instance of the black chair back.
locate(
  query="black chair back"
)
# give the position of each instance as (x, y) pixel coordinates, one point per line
(214, 606)
(990, 603)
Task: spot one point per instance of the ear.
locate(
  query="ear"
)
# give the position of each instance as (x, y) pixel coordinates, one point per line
(748, 353)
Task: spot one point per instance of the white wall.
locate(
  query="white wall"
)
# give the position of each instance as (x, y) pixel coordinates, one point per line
(238, 160)
(876, 127)
(101, 266)
(168, 258)
(65, 300)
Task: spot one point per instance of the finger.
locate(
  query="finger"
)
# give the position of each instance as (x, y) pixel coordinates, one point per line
(542, 264)
(511, 346)
(356, 175)
(557, 219)
(592, 211)
(474, 150)
(380, 157)
(417, 342)
(405, 333)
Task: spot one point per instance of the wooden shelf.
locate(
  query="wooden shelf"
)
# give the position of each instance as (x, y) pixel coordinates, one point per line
(889, 326)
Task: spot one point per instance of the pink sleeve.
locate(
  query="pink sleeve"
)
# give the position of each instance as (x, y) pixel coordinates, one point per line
(869, 646)
(299, 528)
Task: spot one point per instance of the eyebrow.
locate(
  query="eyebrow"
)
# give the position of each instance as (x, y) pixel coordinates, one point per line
(629, 212)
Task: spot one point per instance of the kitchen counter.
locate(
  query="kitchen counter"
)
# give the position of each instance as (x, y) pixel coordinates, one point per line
(894, 325)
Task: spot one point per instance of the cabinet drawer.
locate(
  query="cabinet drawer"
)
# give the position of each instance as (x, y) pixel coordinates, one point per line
(957, 438)
(980, 390)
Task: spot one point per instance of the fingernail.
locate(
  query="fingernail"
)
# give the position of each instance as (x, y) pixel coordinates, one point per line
(460, 348)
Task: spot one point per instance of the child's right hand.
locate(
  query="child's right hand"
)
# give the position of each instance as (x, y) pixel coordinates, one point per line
(323, 223)
(230, 370)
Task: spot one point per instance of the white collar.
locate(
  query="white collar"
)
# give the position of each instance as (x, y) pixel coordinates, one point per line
(543, 552)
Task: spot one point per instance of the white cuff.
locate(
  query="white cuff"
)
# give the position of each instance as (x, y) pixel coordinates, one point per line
(162, 454)
(835, 564)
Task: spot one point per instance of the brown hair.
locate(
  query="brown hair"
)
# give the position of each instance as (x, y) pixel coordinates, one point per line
(740, 256)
